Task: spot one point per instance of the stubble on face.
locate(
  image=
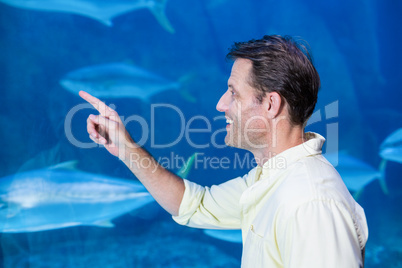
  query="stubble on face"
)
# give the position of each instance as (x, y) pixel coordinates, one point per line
(249, 120)
(249, 128)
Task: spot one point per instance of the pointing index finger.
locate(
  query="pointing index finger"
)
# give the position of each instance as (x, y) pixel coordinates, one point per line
(95, 102)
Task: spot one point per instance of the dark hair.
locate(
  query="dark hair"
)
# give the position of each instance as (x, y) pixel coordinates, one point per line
(285, 66)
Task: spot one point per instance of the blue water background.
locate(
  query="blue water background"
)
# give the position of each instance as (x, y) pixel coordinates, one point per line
(356, 48)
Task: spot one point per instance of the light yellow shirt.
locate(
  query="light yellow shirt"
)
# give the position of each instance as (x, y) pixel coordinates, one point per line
(294, 212)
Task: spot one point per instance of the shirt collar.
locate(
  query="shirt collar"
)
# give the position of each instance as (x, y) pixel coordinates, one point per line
(312, 146)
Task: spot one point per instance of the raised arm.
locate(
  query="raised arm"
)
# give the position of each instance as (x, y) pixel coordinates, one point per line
(108, 129)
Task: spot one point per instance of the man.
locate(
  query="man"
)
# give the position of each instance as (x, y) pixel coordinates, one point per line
(293, 208)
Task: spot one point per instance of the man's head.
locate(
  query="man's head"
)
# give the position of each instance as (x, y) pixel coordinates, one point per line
(272, 88)
(280, 64)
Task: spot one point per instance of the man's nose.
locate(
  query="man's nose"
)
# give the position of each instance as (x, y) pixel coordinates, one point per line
(222, 105)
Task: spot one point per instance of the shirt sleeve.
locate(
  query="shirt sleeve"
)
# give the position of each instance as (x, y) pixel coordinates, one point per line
(213, 208)
(320, 234)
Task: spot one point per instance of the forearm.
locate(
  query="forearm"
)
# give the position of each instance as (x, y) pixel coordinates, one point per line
(166, 187)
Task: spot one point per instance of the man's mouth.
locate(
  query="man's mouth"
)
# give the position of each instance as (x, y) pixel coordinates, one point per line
(228, 121)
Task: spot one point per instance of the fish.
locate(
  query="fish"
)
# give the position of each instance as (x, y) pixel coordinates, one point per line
(62, 196)
(355, 173)
(391, 147)
(103, 11)
(49, 199)
(117, 80)
(233, 236)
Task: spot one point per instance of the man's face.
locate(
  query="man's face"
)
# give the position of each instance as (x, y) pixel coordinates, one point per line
(247, 120)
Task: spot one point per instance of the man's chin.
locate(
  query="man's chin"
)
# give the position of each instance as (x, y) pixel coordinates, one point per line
(229, 142)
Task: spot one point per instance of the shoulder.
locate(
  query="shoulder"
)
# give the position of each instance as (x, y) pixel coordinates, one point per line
(312, 180)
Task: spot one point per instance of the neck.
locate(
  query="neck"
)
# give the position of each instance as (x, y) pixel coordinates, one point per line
(285, 138)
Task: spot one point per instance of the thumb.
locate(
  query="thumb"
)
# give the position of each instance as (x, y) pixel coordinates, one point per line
(102, 129)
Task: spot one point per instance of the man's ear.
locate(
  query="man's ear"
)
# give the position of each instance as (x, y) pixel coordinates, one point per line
(274, 104)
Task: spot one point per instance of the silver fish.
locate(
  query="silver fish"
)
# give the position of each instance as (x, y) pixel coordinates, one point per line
(55, 197)
(101, 10)
(51, 199)
(391, 148)
(117, 80)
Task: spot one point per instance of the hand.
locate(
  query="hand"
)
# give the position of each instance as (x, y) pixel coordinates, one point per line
(107, 128)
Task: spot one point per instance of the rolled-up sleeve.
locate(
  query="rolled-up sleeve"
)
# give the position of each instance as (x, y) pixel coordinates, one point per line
(212, 208)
